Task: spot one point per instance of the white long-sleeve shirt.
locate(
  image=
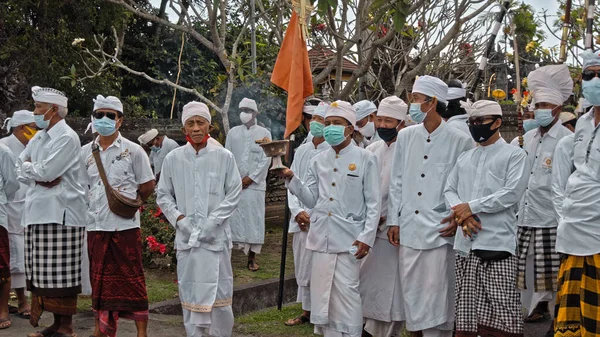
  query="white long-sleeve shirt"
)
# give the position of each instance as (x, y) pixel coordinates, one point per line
(249, 156)
(422, 162)
(51, 154)
(127, 166)
(492, 180)
(384, 154)
(536, 208)
(460, 122)
(302, 158)
(579, 231)
(561, 171)
(8, 182)
(343, 191)
(14, 208)
(205, 187)
(159, 156)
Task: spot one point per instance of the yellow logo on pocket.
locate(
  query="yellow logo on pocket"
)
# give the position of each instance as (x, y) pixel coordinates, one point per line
(352, 167)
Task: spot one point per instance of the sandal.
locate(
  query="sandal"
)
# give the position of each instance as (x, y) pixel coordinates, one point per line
(253, 266)
(537, 317)
(297, 321)
(25, 314)
(5, 323)
(44, 333)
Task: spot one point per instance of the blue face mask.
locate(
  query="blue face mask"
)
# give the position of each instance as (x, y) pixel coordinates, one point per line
(591, 91)
(334, 134)
(415, 113)
(105, 126)
(544, 117)
(530, 124)
(40, 122)
(154, 148)
(316, 129)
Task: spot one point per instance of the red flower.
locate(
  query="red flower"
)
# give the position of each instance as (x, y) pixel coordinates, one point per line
(513, 91)
(142, 208)
(158, 212)
(320, 27)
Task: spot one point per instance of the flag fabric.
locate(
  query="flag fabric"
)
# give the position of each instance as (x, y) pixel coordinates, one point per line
(292, 74)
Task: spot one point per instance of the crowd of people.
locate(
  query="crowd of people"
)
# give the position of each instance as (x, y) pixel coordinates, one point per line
(414, 215)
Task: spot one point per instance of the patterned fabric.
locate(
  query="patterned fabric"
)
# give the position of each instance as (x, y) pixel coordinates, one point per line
(4, 256)
(107, 320)
(577, 310)
(53, 256)
(57, 305)
(487, 301)
(546, 261)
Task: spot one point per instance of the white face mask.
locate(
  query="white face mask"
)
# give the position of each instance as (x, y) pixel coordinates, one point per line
(368, 130)
(245, 117)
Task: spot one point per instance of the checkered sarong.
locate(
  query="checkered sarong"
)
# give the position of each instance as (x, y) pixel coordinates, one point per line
(53, 255)
(487, 301)
(577, 310)
(546, 260)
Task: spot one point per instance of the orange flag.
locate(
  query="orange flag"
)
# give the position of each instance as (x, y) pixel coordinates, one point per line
(292, 74)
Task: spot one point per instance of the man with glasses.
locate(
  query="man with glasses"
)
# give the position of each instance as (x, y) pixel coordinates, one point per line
(160, 146)
(537, 221)
(483, 190)
(54, 213)
(114, 242)
(424, 156)
(578, 234)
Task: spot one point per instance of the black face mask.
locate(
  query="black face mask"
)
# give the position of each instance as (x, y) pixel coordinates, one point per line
(481, 133)
(453, 109)
(387, 134)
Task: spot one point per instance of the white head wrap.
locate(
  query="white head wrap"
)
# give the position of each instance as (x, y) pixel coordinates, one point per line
(18, 118)
(308, 109)
(393, 107)
(90, 126)
(432, 87)
(148, 136)
(550, 84)
(195, 109)
(248, 103)
(342, 109)
(590, 59)
(481, 108)
(456, 93)
(49, 95)
(364, 108)
(108, 102)
(566, 116)
(321, 109)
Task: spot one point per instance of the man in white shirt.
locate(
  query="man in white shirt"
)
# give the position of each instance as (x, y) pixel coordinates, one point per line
(300, 214)
(562, 168)
(568, 120)
(529, 123)
(342, 188)
(160, 146)
(8, 187)
(483, 190)
(423, 158)
(455, 114)
(199, 191)
(54, 212)
(248, 221)
(379, 278)
(307, 112)
(365, 133)
(537, 221)
(578, 234)
(114, 241)
(22, 128)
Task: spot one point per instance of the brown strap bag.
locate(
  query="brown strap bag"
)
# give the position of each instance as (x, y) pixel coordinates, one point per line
(120, 205)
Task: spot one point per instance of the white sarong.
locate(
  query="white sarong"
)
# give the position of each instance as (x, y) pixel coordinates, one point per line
(427, 281)
(205, 282)
(86, 283)
(248, 221)
(334, 294)
(302, 268)
(380, 290)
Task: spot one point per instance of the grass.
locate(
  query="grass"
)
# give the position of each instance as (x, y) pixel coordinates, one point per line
(269, 323)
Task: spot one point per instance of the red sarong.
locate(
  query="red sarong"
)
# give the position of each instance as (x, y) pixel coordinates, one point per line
(4, 256)
(117, 277)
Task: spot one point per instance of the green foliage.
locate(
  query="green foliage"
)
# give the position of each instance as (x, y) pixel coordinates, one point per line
(154, 226)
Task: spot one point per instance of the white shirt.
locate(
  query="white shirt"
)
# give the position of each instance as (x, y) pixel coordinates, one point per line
(460, 122)
(8, 182)
(205, 187)
(249, 156)
(16, 147)
(302, 157)
(422, 162)
(579, 231)
(14, 208)
(53, 153)
(127, 166)
(492, 180)
(536, 209)
(159, 156)
(384, 154)
(561, 171)
(343, 191)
